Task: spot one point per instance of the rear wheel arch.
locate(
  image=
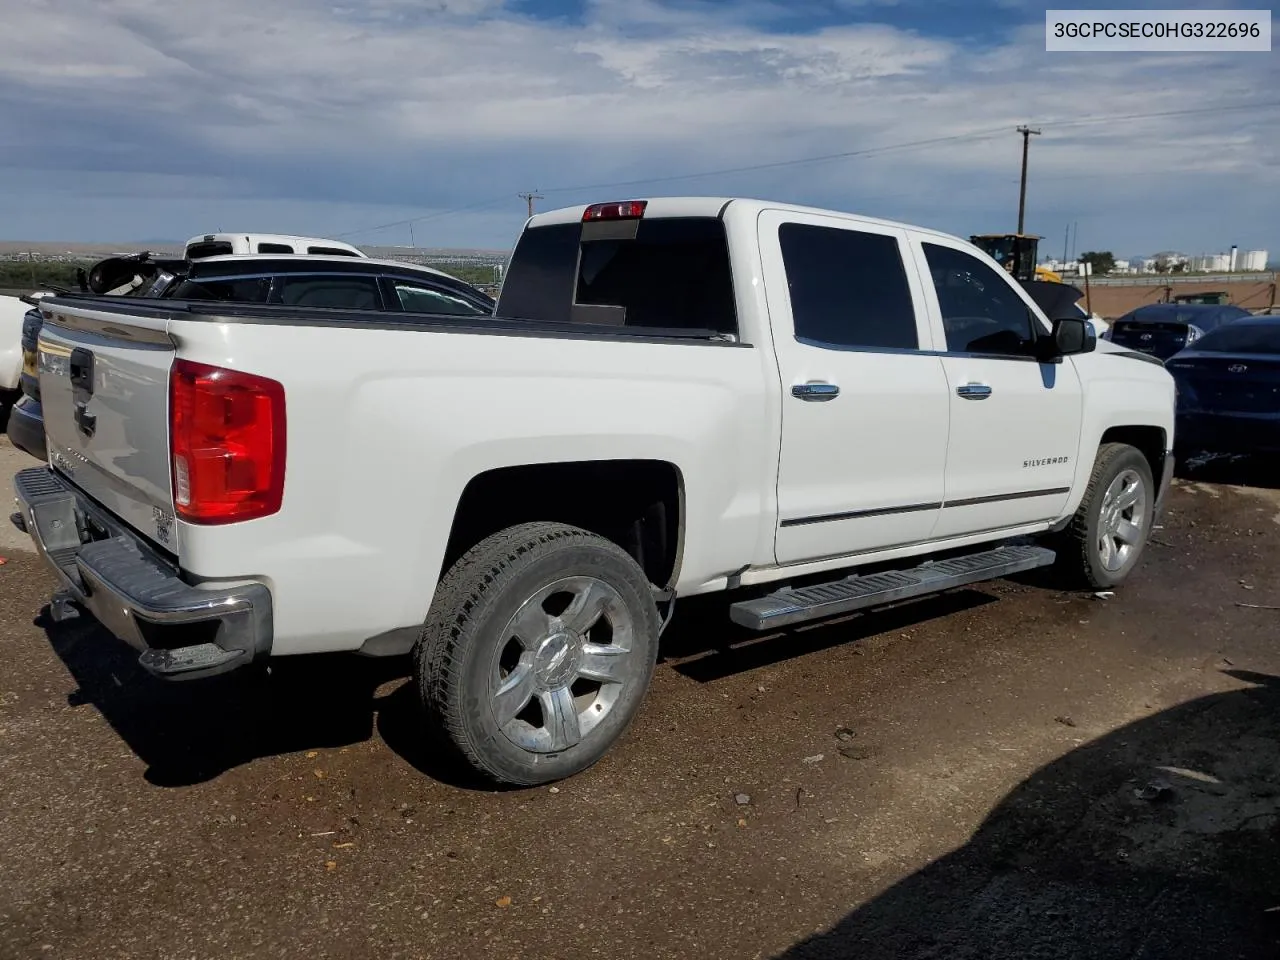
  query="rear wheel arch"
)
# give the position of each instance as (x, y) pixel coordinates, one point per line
(639, 505)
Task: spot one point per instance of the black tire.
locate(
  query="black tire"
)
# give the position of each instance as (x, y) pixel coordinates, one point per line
(1080, 555)
(468, 640)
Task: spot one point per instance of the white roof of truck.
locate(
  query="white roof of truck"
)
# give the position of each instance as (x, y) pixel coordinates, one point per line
(712, 206)
(253, 239)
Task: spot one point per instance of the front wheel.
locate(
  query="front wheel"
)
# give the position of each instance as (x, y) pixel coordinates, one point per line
(537, 651)
(1110, 528)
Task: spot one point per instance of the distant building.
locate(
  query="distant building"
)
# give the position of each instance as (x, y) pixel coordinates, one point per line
(1211, 263)
(1253, 260)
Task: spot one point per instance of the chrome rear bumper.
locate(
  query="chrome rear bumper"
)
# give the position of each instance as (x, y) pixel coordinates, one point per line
(181, 631)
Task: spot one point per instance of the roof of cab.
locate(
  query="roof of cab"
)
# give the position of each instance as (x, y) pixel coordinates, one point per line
(349, 264)
(273, 238)
(714, 206)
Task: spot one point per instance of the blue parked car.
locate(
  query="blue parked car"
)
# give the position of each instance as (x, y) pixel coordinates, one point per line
(1229, 389)
(1162, 329)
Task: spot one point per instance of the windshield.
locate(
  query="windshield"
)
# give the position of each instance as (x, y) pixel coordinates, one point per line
(1000, 249)
(1242, 338)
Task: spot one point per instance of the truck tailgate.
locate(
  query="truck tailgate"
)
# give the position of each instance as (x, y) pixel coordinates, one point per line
(104, 387)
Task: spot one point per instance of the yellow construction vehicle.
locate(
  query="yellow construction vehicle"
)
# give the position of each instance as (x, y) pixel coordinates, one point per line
(1016, 252)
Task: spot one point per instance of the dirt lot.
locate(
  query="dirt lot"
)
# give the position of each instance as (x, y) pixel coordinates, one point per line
(1002, 772)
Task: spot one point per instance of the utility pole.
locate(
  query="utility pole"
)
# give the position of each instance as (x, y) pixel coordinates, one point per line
(412, 243)
(1022, 194)
(1087, 267)
(1066, 238)
(529, 198)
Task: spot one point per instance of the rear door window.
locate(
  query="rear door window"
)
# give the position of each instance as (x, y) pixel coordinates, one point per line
(334, 291)
(224, 289)
(672, 274)
(848, 288)
(422, 298)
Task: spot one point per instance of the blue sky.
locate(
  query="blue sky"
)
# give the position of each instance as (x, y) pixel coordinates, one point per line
(131, 121)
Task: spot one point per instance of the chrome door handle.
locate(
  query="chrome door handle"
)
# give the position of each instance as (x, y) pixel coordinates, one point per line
(815, 391)
(973, 391)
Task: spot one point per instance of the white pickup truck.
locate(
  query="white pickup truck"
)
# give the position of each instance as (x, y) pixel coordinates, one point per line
(819, 412)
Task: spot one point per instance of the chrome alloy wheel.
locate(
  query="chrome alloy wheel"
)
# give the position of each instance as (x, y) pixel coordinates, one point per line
(1121, 520)
(561, 667)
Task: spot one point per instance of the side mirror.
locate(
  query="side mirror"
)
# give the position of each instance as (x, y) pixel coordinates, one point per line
(1071, 335)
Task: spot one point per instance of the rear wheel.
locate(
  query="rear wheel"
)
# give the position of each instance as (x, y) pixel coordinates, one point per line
(1109, 531)
(539, 646)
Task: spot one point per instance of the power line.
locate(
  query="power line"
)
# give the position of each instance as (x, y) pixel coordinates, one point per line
(1082, 121)
(849, 154)
(823, 158)
(846, 155)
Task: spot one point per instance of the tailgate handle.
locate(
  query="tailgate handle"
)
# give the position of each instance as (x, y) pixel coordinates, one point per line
(86, 422)
(82, 369)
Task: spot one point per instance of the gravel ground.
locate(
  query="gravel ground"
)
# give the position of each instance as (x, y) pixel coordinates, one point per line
(1007, 771)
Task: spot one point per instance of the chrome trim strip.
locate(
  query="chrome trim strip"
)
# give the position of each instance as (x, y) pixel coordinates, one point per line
(860, 514)
(920, 507)
(999, 498)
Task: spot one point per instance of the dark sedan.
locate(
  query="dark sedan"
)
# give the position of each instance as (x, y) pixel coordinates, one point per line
(1229, 389)
(1162, 329)
(334, 282)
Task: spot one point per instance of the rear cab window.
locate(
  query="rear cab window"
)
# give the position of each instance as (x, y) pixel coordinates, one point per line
(332, 252)
(211, 248)
(660, 274)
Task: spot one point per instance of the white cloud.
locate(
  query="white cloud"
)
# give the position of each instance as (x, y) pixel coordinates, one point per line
(444, 102)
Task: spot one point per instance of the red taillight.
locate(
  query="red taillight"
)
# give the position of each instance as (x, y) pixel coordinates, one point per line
(625, 210)
(226, 433)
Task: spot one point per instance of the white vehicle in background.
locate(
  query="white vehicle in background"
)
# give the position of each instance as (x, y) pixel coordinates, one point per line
(247, 244)
(819, 412)
(12, 310)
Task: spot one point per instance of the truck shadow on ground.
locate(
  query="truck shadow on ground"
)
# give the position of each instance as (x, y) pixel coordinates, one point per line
(1159, 840)
(704, 645)
(192, 732)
